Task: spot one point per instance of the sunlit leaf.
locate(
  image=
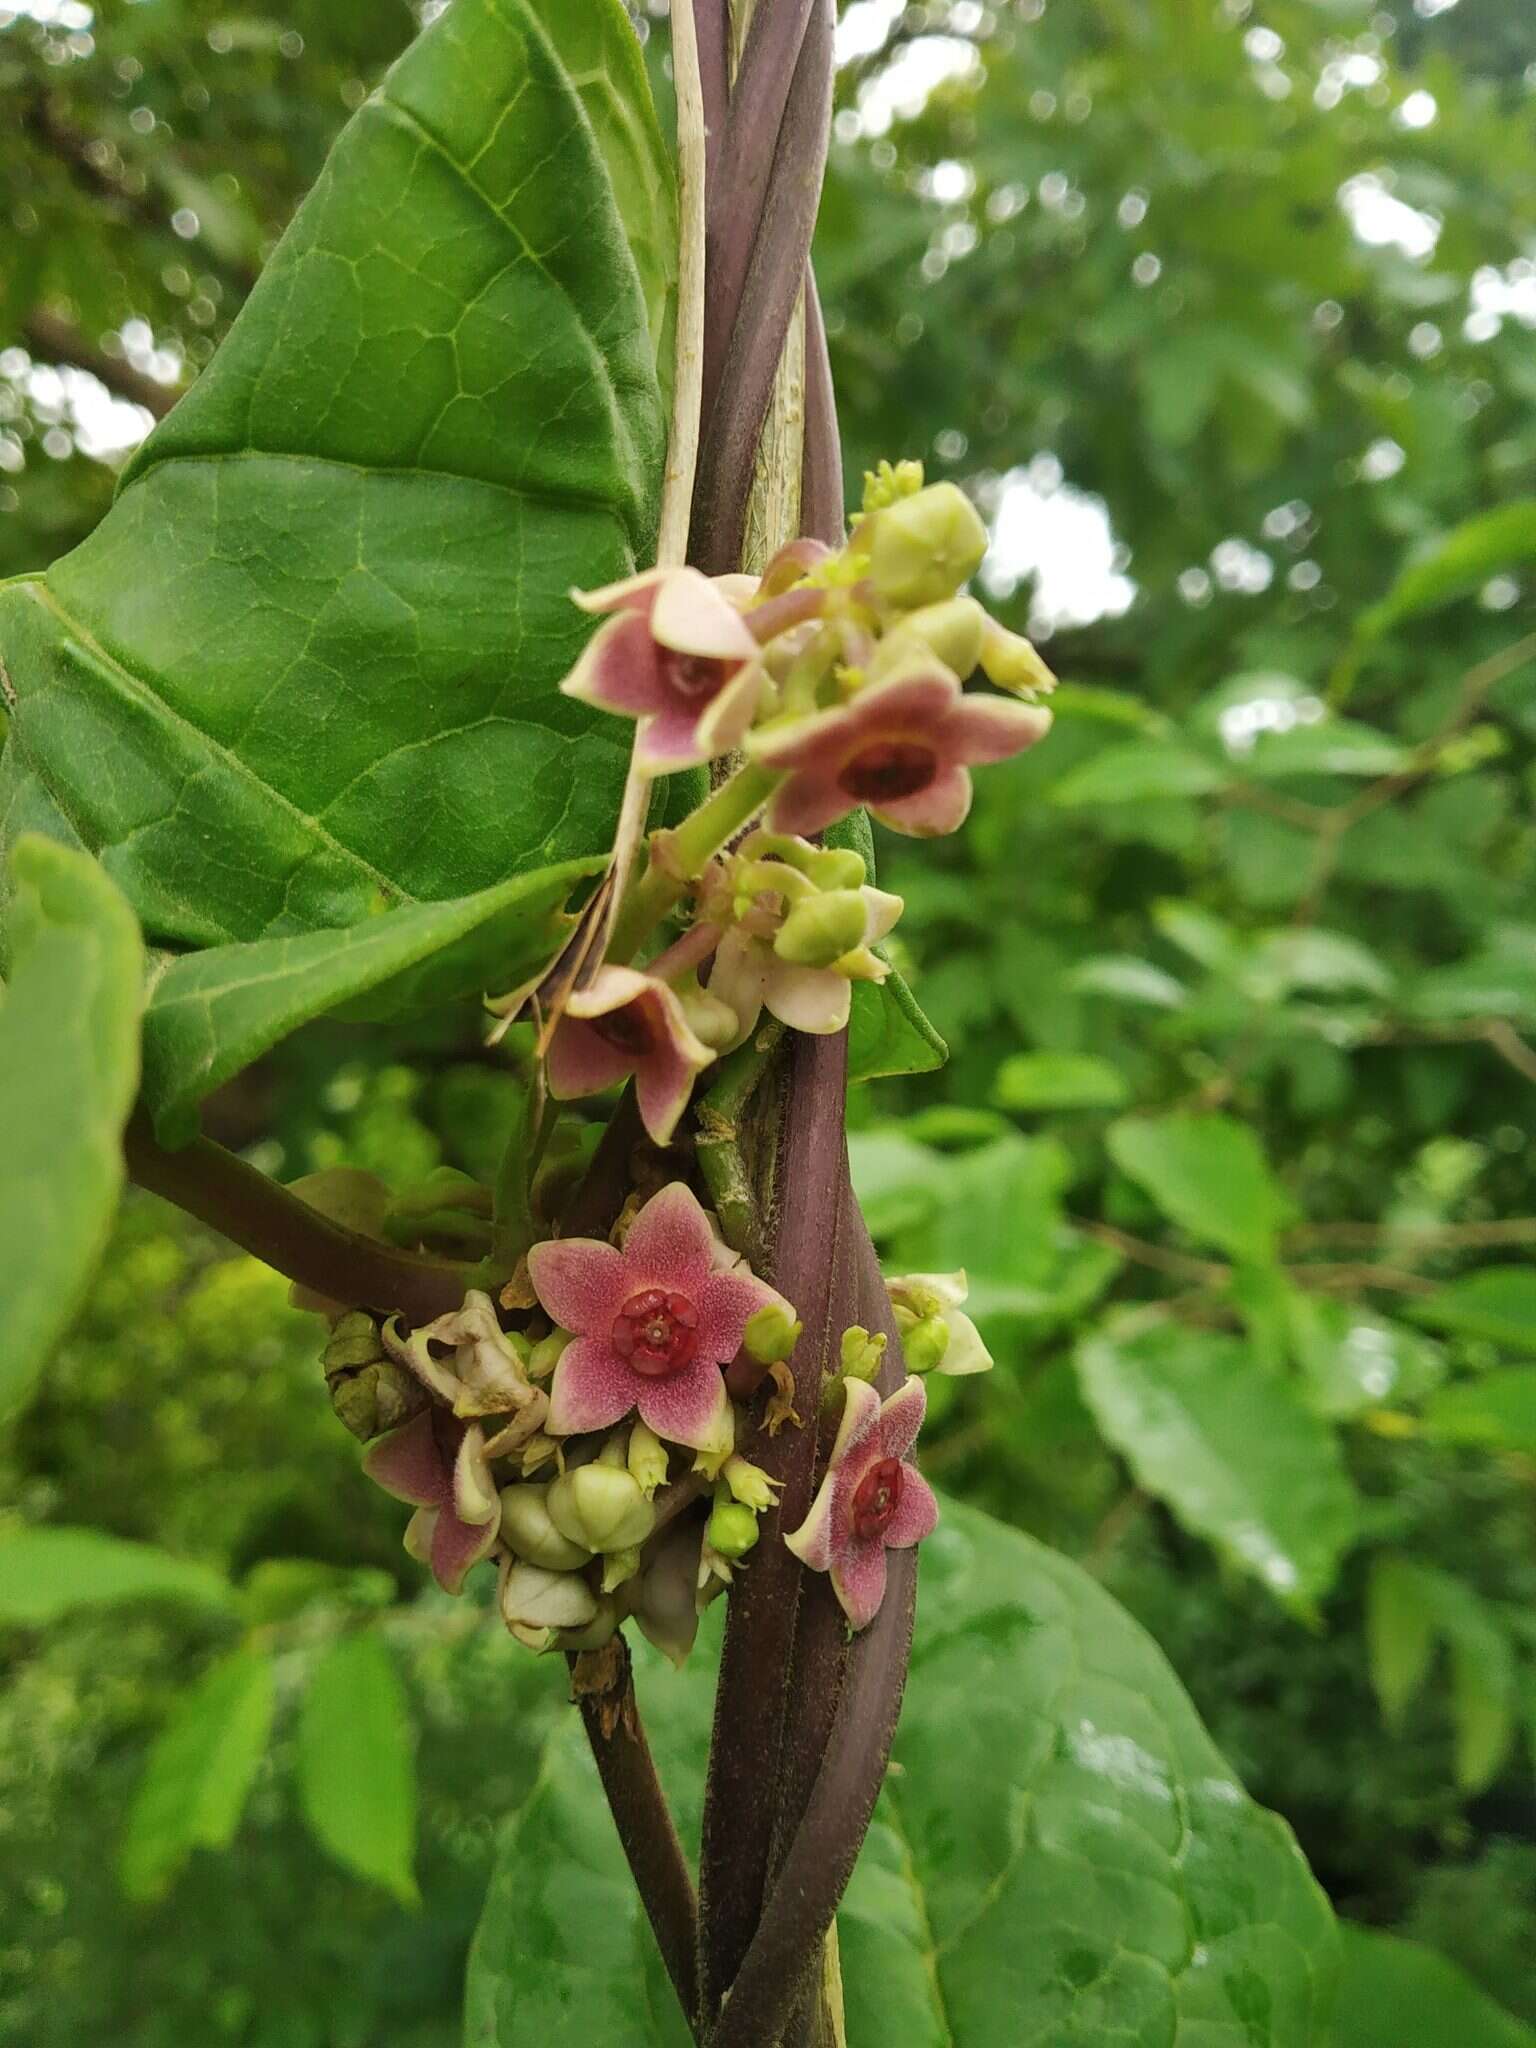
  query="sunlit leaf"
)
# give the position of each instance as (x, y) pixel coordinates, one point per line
(1497, 1303)
(1209, 1174)
(49, 1572)
(1457, 563)
(356, 1766)
(1496, 1411)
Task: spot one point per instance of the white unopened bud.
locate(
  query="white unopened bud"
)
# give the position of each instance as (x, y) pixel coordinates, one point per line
(601, 1506)
(528, 1529)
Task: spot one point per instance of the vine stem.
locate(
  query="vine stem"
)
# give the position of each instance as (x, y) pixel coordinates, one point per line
(263, 1218)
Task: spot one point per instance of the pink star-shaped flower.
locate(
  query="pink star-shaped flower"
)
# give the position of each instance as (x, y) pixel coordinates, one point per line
(654, 1323)
(900, 747)
(676, 654)
(628, 1023)
(870, 1499)
(439, 1466)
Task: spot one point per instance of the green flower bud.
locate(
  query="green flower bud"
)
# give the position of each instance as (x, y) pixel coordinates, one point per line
(884, 485)
(1011, 662)
(750, 1484)
(646, 1458)
(354, 1341)
(602, 1507)
(375, 1398)
(952, 631)
(545, 1355)
(823, 928)
(712, 1022)
(772, 1334)
(619, 1565)
(732, 1529)
(598, 1632)
(861, 1353)
(528, 1530)
(834, 867)
(923, 548)
(534, 1600)
(925, 1344)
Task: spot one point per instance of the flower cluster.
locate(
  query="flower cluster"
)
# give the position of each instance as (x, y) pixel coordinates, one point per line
(839, 676)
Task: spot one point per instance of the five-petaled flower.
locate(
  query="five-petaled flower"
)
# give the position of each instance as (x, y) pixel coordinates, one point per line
(870, 1499)
(900, 746)
(439, 1466)
(748, 976)
(628, 1023)
(676, 654)
(654, 1323)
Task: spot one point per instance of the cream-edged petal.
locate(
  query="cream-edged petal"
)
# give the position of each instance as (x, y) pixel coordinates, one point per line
(693, 616)
(630, 593)
(965, 1352)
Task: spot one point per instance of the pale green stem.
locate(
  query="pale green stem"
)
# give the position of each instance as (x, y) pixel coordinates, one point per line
(689, 851)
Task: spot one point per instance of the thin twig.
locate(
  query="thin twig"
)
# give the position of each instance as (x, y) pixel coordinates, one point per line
(1177, 1265)
(688, 359)
(61, 342)
(1429, 1237)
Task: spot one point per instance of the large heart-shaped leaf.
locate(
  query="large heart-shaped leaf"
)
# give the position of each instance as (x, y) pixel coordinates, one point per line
(69, 1063)
(1059, 1856)
(212, 1012)
(305, 668)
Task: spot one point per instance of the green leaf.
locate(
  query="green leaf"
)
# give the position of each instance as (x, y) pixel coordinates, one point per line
(1395, 1994)
(1455, 564)
(1496, 1411)
(1400, 1633)
(357, 1770)
(1353, 1361)
(49, 1572)
(1104, 1878)
(1330, 962)
(213, 1012)
(1209, 1175)
(1058, 1080)
(318, 635)
(1497, 1303)
(1230, 1448)
(69, 1062)
(888, 1033)
(1138, 770)
(199, 1773)
(1334, 746)
(598, 46)
(1128, 980)
(1482, 1691)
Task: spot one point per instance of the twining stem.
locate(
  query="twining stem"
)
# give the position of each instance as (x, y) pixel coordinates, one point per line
(264, 1219)
(689, 851)
(688, 359)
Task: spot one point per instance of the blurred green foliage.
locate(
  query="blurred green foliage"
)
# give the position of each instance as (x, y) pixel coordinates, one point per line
(1239, 971)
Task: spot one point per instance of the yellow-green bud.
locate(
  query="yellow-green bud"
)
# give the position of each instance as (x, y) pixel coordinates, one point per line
(646, 1458)
(528, 1529)
(861, 1353)
(772, 1334)
(1011, 662)
(925, 1344)
(923, 548)
(885, 484)
(952, 631)
(619, 1565)
(750, 1484)
(823, 928)
(828, 867)
(601, 1507)
(354, 1340)
(732, 1529)
(712, 1022)
(545, 1355)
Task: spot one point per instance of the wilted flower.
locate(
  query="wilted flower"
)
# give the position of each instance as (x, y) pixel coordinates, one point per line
(900, 746)
(487, 1373)
(870, 1499)
(654, 1322)
(440, 1467)
(628, 1023)
(676, 655)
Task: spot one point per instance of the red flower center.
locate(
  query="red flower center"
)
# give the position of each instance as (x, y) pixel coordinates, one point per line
(877, 1498)
(656, 1333)
(889, 769)
(695, 675)
(628, 1028)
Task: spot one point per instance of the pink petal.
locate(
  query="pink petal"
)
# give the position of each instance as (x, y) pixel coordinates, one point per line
(580, 1062)
(812, 1541)
(858, 1425)
(725, 720)
(686, 1407)
(983, 728)
(611, 988)
(809, 802)
(726, 1304)
(917, 704)
(629, 594)
(916, 1512)
(410, 1463)
(663, 1083)
(456, 1546)
(942, 807)
(858, 1580)
(671, 740)
(579, 1282)
(670, 1244)
(618, 669)
(901, 1417)
(694, 617)
(812, 999)
(592, 1388)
